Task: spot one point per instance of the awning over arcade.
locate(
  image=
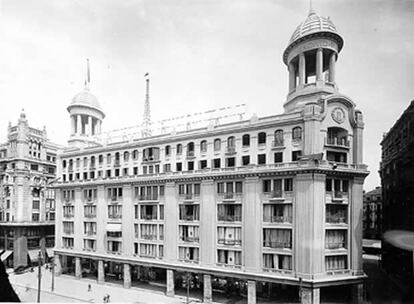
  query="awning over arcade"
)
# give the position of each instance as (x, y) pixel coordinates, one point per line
(5, 255)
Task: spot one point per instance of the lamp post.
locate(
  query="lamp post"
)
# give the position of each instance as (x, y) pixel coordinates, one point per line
(53, 274)
(188, 287)
(39, 276)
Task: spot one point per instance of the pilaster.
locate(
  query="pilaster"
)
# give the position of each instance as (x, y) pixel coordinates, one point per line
(207, 290)
(127, 219)
(251, 292)
(170, 283)
(127, 276)
(101, 272)
(208, 220)
(356, 225)
(310, 295)
(78, 268)
(171, 222)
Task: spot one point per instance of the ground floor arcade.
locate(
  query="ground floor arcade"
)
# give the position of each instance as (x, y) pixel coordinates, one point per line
(172, 280)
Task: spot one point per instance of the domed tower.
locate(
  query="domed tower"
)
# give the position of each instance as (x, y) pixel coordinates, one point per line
(86, 116)
(311, 56)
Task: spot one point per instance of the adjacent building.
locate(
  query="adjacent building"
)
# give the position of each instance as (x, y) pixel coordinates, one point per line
(27, 204)
(397, 178)
(372, 214)
(264, 201)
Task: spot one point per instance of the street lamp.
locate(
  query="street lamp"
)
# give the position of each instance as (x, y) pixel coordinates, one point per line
(39, 275)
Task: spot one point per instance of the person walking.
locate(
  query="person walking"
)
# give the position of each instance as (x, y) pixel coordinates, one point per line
(89, 287)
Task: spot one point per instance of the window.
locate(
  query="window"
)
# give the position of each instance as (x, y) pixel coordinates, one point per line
(67, 242)
(246, 140)
(279, 157)
(114, 247)
(231, 142)
(230, 162)
(336, 262)
(89, 211)
(190, 149)
(190, 166)
(216, 163)
(115, 194)
(126, 156)
(261, 138)
(68, 227)
(35, 217)
(297, 133)
(229, 257)
(203, 164)
(179, 149)
(277, 261)
(188, 253)
(277, 238)
(90, 195)
(89, 228)
(167, 167)
(108, 158)
(278, 138)
(288, 184)
(261, 159)
(167, 151)
(203, 146)
(179, 167)
(135, 154)
(296, 155)
(35, 205)
(188, 233)
(245, 160)
(100, 159)
(115, 211)
(217, 144)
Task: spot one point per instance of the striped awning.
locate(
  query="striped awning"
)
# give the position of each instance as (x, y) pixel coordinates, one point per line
(49, 252)
(114, 227)
(6, 254)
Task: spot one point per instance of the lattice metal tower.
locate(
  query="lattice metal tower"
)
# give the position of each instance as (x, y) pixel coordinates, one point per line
(146, 124)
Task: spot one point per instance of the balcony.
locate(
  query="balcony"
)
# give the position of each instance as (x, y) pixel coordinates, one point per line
(230, 218)
(337, 142)
(152, 237)
(190, 154)
(190, 239)
(335, 219)
(336, 245)
(150, 159)
(90, 215)
(148, 217)
(148, 197)
(278, 144)
(68, 215)
(278, 219)
(188, 218)
(277, 244)
(229, 242)
(230, 196)
(117, 163)
(115, 216)
(230, 150)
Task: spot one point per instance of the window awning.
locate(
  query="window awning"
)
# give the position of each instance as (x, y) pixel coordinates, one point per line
(5, 255)
(33, 255)
(50, 252)
(114, 227)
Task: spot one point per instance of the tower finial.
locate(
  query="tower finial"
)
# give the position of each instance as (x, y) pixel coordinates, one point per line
(311, 11)
(146, 124)
(88, 75)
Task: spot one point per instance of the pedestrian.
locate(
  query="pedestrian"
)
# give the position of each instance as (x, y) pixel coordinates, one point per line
(108, 297)
(89, 287)
(104, 299)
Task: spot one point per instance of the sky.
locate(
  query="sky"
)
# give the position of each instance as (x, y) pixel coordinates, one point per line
(201, 55)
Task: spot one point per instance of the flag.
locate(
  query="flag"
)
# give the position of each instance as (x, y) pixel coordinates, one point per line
(146, 74)
(88, 76)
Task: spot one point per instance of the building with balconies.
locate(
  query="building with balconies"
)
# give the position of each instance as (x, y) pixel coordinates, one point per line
(267, 201)
(372, 217)
(27, 204)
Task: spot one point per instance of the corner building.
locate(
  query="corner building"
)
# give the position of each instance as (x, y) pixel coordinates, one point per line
(266, 201)
(27, 204)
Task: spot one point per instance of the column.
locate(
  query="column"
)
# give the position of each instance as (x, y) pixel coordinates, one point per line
(251, 292)
(78, 268)
(302, 69)
(99, 126)
(58, 265)
(72, 125)
(207, 291)
(292, 77)
(355, 224)
(101, 272)
(170, 282)
(332, 63)
(358, 293)
(79, 125)
(89, 132)
(170, 224)
(310, 295)
(127, 276)
(208, 228)
(319, 64)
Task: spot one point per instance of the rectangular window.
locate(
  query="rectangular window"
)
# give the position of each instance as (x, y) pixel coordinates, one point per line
(35, 217)
(190, 166)
(261, 159)
(296, 155)
(216, 163)
(179, 167)
(230, 162)
(35, 205)
(203, 164)
(245, 160)
(288, 184)
(279, 157)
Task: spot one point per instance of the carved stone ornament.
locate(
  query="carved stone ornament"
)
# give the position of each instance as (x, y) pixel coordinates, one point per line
(338, 114)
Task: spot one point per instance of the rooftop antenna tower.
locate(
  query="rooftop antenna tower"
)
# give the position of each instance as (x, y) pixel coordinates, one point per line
(146, 124)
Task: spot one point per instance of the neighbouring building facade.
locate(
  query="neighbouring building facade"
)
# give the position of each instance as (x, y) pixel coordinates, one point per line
(266, 201)
(397, 178)
(27, 204)
(372, 214)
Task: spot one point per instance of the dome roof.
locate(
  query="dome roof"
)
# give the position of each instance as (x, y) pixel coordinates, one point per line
(313, 24)
(86, 99)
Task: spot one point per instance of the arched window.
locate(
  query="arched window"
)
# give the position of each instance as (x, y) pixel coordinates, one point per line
(261, 138)
(217, 144)
(126, 156)
(279, 138)
(190, 149)
(135, 154)
(246, 140)
(108, 158)
(297, 133)
(203, 146)
(231, 142)
(92, 161)
(179, 149)
(85, 161)
(100, 159)
(167, 150)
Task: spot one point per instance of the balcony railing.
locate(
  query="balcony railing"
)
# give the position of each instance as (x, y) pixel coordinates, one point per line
(335, 245)
(190, 238)
(148, 217)
(150, 159)
(68, 214)
(230, 150)
(229, 242)
(335, 219)
(148, 197)
(276, 194)
(230, 218)
(115, 216)
(188, 218)
(190, 154)
(90, 215)
(277, 244)
(278, 144)
(277, 219)
(337, 142)
(149, 236)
